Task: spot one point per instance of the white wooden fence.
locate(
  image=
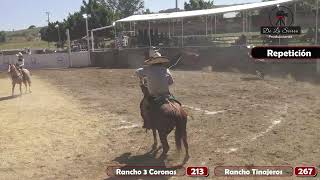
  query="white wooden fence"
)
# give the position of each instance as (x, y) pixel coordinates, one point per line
(55, 60)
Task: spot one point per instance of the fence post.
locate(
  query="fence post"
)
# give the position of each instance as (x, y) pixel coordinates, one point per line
(69, 48)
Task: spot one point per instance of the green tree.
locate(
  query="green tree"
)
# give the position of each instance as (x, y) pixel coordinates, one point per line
(102, 12)
(51, 33)
(32, 27)
(100, 16)
(147, 11)
(198, 4)
(2, 36)
(124, 8)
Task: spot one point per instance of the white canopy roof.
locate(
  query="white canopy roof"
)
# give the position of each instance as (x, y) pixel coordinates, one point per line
(182, 14)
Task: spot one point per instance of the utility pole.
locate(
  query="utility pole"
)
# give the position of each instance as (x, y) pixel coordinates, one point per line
(317, 14)
(48, 14)
(48, 20)
(176, 5)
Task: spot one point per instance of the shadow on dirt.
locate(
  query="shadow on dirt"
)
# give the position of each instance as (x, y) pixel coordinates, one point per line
(8, 98)
(148, 159)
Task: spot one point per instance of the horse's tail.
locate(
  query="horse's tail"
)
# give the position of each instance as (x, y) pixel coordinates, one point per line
(181, 128)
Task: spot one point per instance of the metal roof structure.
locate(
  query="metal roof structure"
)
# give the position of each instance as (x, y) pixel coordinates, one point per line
(205, 12)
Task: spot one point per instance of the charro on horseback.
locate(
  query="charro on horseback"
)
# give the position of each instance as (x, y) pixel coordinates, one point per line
(159, 108)
(19, 74)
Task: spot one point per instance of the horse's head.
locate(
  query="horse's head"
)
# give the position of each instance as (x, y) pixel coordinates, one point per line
(9, 68)
(144, 90)
(13, 69)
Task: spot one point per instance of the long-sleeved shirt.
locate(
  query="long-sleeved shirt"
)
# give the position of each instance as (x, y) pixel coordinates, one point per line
(158, 79)
(20, 62)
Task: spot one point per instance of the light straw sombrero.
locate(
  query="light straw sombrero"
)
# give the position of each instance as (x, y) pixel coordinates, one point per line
(157, 59)
(19, 54)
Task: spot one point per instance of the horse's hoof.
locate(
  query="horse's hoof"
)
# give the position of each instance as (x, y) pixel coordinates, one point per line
(154, 146)
(186, 158)
(163, 156)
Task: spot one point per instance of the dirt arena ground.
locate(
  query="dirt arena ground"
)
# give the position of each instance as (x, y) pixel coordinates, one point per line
(77, 122)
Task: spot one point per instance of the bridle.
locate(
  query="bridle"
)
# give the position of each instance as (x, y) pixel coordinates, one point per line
(17, 74)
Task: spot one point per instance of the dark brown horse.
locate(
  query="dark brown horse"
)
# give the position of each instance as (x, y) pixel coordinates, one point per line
(164, 119)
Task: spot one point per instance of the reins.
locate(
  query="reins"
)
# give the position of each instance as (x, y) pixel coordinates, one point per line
(15, 73)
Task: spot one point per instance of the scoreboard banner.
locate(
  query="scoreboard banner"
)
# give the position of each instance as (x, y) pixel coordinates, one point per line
(219, 171)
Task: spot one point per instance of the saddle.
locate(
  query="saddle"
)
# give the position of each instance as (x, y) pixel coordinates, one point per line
(159, 101)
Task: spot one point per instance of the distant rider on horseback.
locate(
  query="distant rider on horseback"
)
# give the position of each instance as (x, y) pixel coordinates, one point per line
(156, 78)
(20, 62)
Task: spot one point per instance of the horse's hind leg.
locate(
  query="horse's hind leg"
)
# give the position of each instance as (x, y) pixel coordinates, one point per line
(165, 146)
(26, 86)
(185, 144)
(29, 86)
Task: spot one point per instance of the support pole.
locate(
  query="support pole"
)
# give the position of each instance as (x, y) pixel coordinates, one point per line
(173, 28)
(134, 28)
(211, 25)
(317, 14)
(215, 24)
(92, 41)
(206, 25)
(69, 47)
(295, 14)
(249, 21)
(169, 29)
(115, 35)
(243, 23)
(150, 43)
(87, 29)
(182, 39)
(88, 41)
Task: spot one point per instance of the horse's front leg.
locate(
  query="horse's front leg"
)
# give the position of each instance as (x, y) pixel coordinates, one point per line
(13, 86)
(26, 87)
(20, 86)
(165, 145)
(30, 88)
(155, 141)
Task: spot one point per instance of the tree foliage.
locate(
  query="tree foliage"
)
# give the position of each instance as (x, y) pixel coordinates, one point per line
(124, 8)
(102, 12)
(2, 36)
(32, 27)
(198, 4)
(51, 33)
(147, 11)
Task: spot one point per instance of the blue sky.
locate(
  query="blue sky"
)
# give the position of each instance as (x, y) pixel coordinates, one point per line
(20, 14)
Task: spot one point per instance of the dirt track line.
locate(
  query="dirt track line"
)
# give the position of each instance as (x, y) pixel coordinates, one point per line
(205, 111)
(283, 111)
